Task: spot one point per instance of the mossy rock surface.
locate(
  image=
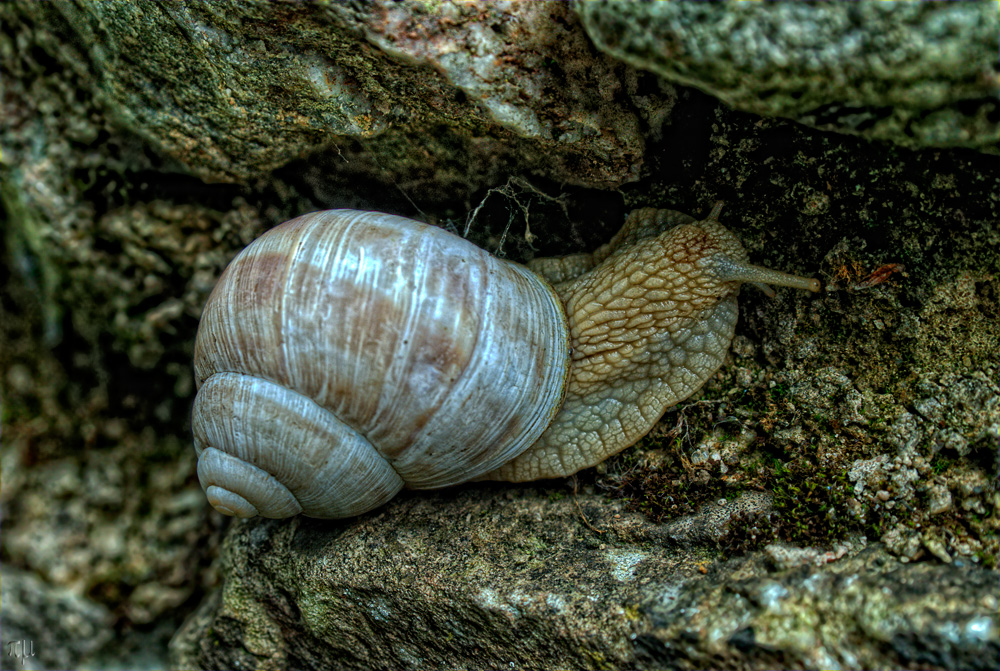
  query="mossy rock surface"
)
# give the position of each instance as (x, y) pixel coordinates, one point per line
(865, 416)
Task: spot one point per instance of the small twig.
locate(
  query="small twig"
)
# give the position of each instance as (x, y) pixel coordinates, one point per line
(579, 510)
(509, 192)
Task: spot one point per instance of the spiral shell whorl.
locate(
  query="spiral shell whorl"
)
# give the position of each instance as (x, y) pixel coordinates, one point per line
(282, 453)
(228, 482)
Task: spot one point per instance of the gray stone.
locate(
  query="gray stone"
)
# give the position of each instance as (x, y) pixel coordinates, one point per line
(235, 89)
(917, 73)
(863, 612)
(48, 627)
(508, 579)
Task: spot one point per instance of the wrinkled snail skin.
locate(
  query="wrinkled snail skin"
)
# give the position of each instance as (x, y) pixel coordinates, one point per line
(345, 355)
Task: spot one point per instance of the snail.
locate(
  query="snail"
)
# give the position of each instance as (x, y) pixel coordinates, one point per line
(345, 355)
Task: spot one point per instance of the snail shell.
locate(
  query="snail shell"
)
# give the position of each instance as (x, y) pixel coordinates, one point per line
(345, 355)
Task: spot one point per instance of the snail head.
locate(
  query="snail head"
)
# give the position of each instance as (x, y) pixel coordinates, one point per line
(722, 256)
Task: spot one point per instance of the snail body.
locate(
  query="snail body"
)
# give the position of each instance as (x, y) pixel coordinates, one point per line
(345, 355)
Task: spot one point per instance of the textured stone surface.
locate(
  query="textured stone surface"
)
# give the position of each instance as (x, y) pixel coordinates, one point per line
(233, 90)
(868, 411)
(918, 73)
(56, 627)
(866, 611)
(512, 580)
(478, 590)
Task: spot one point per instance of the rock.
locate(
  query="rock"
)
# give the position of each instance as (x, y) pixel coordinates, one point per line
(502, 578)
(461, 583)
(835, 414)
(939, 499)
(233, 90)
(715, 518)
(920, 74)
(863, 612)
(47, 627)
